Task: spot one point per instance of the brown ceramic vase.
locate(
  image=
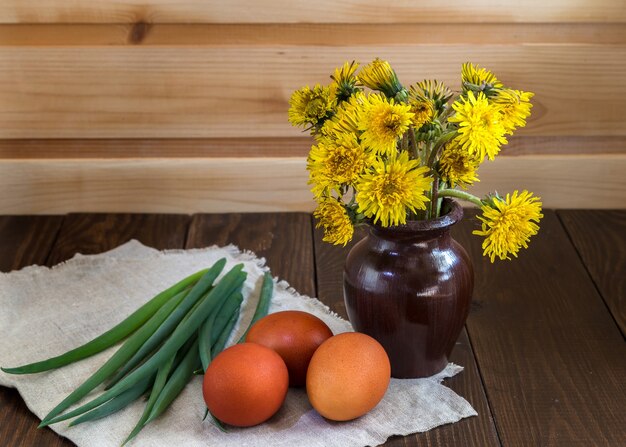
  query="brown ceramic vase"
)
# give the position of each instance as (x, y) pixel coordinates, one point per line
(410, 288)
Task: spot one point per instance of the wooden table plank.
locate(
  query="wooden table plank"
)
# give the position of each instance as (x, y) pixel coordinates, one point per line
(284, 239)
(80, 233)
(477, 431)
(600, 239)
(552, 359)
(95, 233)
(551, 356)
(24, 240)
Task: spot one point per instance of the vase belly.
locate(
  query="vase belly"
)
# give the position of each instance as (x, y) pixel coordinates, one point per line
(413, 296)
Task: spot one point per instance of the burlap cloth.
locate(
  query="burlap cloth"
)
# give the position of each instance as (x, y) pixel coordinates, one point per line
(44, 312)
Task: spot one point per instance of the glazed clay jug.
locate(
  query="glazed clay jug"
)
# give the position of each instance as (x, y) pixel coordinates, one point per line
(410, 288)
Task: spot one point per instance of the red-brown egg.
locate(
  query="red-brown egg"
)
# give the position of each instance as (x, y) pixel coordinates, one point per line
(295, 336)
(245, 384)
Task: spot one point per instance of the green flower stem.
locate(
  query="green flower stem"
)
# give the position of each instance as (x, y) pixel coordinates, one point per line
(443, 139)
(447, 113)
(432, 157)
(461, 195)
(442, 185)
(434, 197)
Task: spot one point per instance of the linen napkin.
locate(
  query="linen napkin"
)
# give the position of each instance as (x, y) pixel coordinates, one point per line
(47, 311)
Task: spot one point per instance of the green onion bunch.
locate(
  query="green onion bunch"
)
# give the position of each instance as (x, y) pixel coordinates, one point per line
(176, 333)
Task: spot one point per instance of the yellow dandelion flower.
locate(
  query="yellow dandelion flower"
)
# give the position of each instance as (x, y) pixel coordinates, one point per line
(332, 215)
(346, 118)
(345, 73)
(392, 188)
(473, 74)
(508, 224)
(378, 75)
(383, 122)
(433, 89)
(515, 107)
(322, 184)
(311, 106)
(423, 110)
(336, 162)
(345, 80)
(480, 125)
(456, 166)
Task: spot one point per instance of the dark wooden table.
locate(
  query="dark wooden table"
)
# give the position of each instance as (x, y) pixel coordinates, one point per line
(543, 349)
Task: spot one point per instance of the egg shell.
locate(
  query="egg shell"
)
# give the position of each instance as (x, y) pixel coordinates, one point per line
(245, 384)
(347, 376)
(295, 336)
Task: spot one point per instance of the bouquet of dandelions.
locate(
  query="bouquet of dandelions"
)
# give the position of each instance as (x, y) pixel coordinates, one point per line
(389, 154)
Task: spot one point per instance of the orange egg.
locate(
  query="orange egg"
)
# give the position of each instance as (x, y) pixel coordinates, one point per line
(295, 336)
(347, 377)
(245, 384)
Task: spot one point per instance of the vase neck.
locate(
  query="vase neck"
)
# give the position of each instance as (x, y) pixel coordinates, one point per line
(419, 230)
(408, 236)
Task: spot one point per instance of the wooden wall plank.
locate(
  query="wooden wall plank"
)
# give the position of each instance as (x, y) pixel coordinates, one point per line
(296, 11)
(309, 34)
(268, 184)
(207, 147)
(476, 431)
(263, 147)
(568, 181)
(149, 185)
(599, 238)
(550, 354)
(233, 92)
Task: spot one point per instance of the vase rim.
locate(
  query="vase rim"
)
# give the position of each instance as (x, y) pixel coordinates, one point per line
(415, 226)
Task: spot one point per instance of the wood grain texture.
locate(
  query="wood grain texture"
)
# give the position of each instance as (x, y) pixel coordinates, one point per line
(269, 184)
(283, 239)
(575, 181)
(476, 431)
(92, 233)
(551, 357)
(263, 147)
(171, 186)
(95, 233)
(600, 239)
(24, 240)
(243, 91)
(316, 34)
(179, 148)
(322, 11)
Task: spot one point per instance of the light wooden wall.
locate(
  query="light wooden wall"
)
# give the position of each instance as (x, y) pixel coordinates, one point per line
(181, 106)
